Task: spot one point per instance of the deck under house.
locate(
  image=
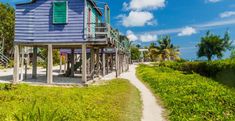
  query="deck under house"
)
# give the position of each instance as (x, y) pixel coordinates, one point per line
(89, 47)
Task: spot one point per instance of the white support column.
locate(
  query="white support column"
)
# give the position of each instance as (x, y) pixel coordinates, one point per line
(50, 65)
(26, 62)
(34, 63)
(103, 63)
(84, 61)
(22, 64)
(16, 64)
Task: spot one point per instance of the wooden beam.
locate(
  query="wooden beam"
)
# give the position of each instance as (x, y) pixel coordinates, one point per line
(34, 63)
(72, 63)
(92, 61)
(60, 63)
(116, 62)
(16, 64)
(84, 62)
(22, 64)
(103, 62)
(50, 65)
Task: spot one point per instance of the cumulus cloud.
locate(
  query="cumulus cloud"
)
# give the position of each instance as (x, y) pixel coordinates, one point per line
(187, 31)
(148, 37)
(131, 36)
(227, 14)
(137, 19)
(145, 4)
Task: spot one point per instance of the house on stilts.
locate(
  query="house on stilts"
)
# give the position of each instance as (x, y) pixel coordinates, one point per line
(80, 29)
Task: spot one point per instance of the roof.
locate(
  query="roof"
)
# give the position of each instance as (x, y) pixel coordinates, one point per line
(95, 6)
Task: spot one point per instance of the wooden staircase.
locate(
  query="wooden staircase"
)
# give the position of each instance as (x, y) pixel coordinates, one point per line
(4, 60)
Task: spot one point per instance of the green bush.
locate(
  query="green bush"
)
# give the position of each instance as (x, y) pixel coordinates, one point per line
(117, 100)
(189, 97)
(209, 69)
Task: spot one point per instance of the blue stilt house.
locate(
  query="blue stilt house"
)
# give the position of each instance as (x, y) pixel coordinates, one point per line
(68, 24)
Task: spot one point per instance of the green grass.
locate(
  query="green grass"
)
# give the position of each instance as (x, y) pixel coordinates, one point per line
(189, 97)
(117, 100)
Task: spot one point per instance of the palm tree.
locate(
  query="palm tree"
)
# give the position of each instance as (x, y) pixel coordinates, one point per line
(165, 51)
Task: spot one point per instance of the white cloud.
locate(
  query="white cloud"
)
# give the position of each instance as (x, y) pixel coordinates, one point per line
(136, 18)
(227, 14)
(198, 27)
(146, 4)
(131, 36)
(213, 1)
(187, 31)
(148, 37)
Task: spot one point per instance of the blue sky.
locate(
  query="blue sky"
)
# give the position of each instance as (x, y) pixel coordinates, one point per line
(185, 20)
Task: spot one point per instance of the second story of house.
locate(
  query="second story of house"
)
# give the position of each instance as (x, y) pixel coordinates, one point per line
(65, 21)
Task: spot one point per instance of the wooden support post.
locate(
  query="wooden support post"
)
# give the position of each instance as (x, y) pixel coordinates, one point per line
(111, 62)
(60, 63)
(34, 63)
(98, 60)
(116, 62)
(84, 62)
(26, 62)
(103, 62)
(50, 65)
(16, 64)
(92, 61)
(65, 63)
(72, 63)
(22, 64)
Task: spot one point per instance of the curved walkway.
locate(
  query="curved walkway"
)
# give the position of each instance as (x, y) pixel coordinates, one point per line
(151, 110)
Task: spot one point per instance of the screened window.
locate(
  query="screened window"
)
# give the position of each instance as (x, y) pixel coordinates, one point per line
(60, 12)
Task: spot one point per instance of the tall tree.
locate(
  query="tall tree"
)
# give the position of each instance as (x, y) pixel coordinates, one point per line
(7, 23)
(213, 45)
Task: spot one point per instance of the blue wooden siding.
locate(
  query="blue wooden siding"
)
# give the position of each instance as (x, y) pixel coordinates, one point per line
(34, 23)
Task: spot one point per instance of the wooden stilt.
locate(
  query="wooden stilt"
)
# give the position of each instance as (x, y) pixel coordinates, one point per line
(26, 61)
(50, 65)
(103, 62)
(92, 61)
(72, 63)
(98, 61)
(65, 63)
(34, 63)
(84, 61)
(16, 64)
(60, 63)
(22, 64)
(116, 62)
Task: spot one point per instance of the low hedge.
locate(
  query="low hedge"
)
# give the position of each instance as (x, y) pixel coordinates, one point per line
(209, 69)
(189, 97)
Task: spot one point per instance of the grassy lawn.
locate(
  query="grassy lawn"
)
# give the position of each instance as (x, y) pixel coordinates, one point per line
(117, 100)
(189, 97)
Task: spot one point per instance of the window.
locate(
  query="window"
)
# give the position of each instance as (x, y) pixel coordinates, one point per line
(60, 12)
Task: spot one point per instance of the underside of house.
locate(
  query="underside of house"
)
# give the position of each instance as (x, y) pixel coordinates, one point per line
(89, 46)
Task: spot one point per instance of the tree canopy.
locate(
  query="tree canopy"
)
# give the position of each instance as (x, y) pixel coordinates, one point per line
(164, 50)
(213, 45)
(7, 23)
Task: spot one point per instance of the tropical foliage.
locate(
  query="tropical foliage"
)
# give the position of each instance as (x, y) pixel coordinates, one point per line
(7, 23)
(213, 45)
(165, 50)
(189, 97)
(135, 53)
(117, 100)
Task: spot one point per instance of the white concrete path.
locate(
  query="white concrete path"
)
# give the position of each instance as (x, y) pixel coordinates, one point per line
(151, 110)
